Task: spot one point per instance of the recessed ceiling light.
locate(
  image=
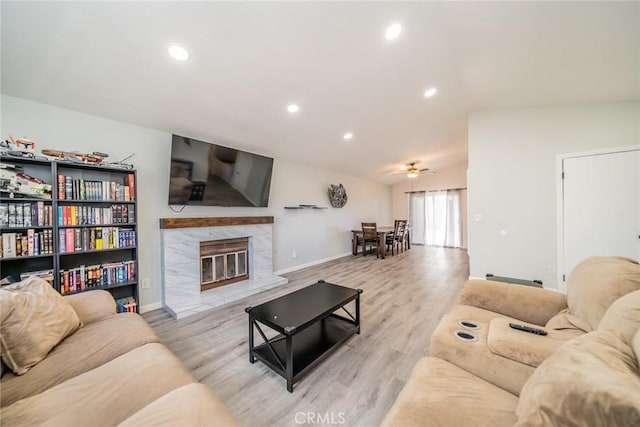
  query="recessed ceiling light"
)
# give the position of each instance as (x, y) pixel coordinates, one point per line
(393, 31)
(178, 52)
(348, 135)
(292, 108)
(430, 92)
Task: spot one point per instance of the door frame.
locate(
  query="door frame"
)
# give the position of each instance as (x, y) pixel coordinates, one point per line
(560, 158)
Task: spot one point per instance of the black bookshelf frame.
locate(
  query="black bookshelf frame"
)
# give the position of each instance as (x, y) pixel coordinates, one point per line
(48, 171)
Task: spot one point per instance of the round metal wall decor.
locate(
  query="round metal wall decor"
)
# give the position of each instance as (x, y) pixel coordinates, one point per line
(337, 195)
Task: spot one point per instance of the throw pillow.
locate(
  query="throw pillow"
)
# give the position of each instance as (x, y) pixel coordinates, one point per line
(623, 315)
(34, 319)
(591, 380)
(594, 284)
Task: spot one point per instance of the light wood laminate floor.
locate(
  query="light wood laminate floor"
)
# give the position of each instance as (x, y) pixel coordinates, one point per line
(404, 298)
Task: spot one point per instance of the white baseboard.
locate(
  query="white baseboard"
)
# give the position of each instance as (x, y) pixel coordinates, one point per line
(310, 264)
(150, 307)
(477, 278)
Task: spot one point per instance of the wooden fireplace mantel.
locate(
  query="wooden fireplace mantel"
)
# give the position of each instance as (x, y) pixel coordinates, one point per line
(220, 221)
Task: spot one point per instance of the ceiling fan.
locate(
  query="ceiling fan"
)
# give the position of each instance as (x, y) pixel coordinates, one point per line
(412, 171)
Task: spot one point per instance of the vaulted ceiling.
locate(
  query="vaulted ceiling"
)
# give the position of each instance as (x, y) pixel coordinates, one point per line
(249, 60)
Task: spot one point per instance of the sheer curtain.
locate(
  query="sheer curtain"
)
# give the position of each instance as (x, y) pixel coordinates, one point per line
(436, 218)
(417, 220)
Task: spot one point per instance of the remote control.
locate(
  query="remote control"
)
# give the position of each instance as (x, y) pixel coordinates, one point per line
(528, 329)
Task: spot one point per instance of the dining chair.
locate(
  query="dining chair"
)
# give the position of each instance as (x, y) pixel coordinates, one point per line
(393, 238)
(399, 235)
(369, 236)
(406, 243)
(402, 235)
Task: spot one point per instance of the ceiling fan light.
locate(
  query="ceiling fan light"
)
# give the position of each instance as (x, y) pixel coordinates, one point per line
(412, 175)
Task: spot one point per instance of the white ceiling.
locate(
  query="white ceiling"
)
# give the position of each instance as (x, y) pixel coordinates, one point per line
(249, 60)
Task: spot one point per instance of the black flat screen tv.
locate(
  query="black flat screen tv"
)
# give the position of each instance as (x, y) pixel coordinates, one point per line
(207, 174)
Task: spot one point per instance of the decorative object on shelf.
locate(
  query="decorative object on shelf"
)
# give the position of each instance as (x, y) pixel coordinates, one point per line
(95, 158)
(76, 156)
(337, 195)
(14, 180)
(18, 147)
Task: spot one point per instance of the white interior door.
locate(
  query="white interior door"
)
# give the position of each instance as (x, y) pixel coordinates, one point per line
(601, 206)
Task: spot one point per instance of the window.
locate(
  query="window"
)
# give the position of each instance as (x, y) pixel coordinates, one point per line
(436, 218)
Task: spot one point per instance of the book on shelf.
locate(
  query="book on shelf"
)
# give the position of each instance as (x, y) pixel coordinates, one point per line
(95, 238)
(126, 305)
(19, 213)
(11, 222)
(77, 242)
(98, 237)
(68, 187)
(17, 239)
(132, 186)
(61, 187)
(62, 241)
(90, 215)
(29, 243)
(81, 189)
(69, 242)
(25, 214)
(8, 245)
(98, 275)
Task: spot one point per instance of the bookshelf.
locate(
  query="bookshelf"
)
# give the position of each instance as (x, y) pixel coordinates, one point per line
(83, 236)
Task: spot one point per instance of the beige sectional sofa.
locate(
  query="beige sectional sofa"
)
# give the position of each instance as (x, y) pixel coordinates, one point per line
(584, 372)
(113, 370)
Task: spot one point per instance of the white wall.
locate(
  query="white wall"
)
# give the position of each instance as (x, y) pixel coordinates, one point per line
(313, 234)
(512, 180)
(454, 176)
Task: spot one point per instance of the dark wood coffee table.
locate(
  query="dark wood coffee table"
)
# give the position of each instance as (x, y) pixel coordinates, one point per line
(308, 327)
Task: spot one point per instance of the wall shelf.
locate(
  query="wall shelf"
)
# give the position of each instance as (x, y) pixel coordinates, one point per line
(305, 207)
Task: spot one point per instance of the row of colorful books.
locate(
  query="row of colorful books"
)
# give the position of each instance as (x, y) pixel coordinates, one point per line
(87, 277)
(126, 305)
(30, 243)
(95, 238)
(25, 214)
(81, 189)
(88, 215)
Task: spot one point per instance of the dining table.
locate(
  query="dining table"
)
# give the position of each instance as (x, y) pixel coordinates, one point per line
(382, 239)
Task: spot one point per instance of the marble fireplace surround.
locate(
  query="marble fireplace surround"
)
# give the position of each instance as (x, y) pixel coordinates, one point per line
(180, 251)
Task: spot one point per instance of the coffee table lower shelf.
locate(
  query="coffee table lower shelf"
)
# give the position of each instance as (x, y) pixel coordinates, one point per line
(309, 346)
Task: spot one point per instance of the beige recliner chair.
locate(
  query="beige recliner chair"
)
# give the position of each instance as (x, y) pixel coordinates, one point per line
(592, 379)
(476, 335)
